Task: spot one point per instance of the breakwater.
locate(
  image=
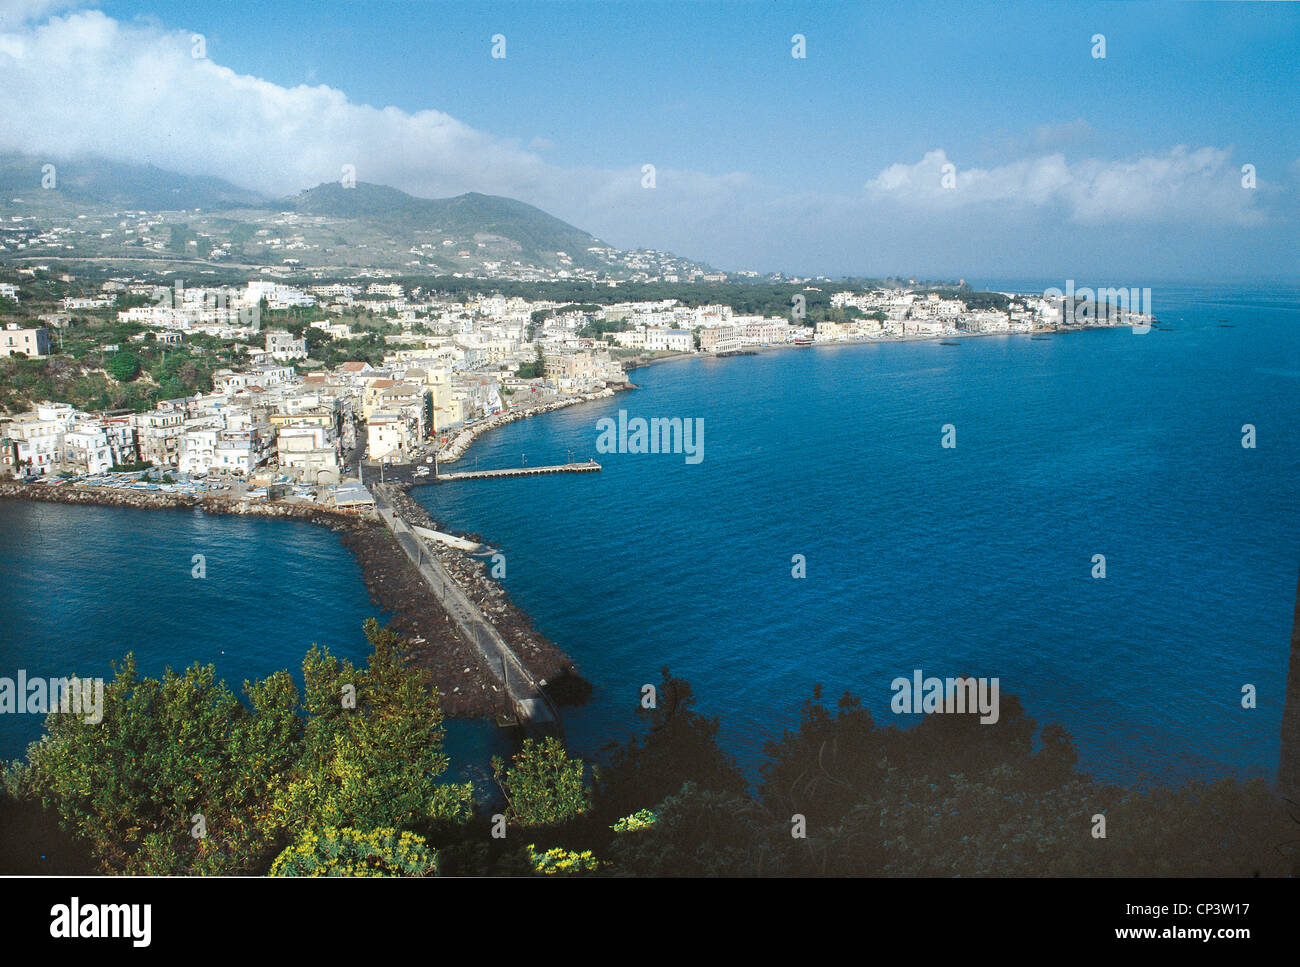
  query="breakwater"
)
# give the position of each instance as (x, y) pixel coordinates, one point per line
(467, 687)
(541, 657)
(156, 500)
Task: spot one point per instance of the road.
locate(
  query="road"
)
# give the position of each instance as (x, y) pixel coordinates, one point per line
(534, 709)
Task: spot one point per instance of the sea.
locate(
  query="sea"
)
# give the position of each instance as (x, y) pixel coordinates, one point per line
(826, 538)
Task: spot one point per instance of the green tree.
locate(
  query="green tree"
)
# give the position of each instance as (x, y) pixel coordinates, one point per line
(123, 366)
(680, 745)
(181, 755)
(372, 746)
(543, 786)
(535, 369)
(167, 751)
(954, 797)
(696, 832)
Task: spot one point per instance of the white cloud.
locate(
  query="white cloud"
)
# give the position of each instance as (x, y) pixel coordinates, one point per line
(17, 12)
(1200, 185)
(85, 83)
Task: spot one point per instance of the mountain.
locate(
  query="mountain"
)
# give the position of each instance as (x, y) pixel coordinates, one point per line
(98, 182)
(465, 216)
(98, 209)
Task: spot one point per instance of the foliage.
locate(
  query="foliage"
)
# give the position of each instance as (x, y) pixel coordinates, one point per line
(170, 749)
(133, 466)
(697, 832)
(543, 786)
(641, 819)
(597, 328)
(166, 751)
(533, 370)
(952, 797)
(562, 861)
(353, 852)
(330, 786)
(123, 366)
(680, 746)
(377, 764)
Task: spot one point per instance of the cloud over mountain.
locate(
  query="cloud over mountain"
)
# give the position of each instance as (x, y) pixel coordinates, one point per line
(86, 83)
(81, 82)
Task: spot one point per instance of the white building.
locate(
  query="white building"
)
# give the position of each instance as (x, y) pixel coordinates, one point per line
(197, 453)
(388, 437)
(669, 340)
(308, 452)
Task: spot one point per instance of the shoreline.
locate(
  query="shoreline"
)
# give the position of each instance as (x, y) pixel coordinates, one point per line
(467, 690)
(641, 363)
(467, 435)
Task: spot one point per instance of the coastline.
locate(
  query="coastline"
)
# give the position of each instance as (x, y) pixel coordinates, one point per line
(468, 690)
(467, 435)
(638, 362)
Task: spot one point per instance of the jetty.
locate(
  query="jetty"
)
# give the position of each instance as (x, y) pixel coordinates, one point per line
(533, 708)
(588, 466)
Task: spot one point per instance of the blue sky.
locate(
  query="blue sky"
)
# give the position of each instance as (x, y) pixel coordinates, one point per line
(1128, 166)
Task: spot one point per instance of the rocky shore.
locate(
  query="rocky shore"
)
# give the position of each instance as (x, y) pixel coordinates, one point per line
(156, 500)
(544, 660)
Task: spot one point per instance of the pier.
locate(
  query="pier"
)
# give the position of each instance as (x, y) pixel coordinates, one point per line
(533, 709)
(589, 466)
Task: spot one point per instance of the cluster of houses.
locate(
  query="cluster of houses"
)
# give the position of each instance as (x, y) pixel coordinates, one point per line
(451, 363)
(264, 417)
(268, 416)
(899, 313)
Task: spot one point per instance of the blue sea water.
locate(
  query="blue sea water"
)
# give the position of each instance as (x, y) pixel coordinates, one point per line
(85, 585)
(973, 560)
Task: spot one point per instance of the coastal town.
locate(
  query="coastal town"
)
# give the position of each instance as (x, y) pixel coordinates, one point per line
(279, 423)
(357, 365)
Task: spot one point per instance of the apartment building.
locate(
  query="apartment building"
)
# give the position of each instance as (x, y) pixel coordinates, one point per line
(32, 343)
(721, 339)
